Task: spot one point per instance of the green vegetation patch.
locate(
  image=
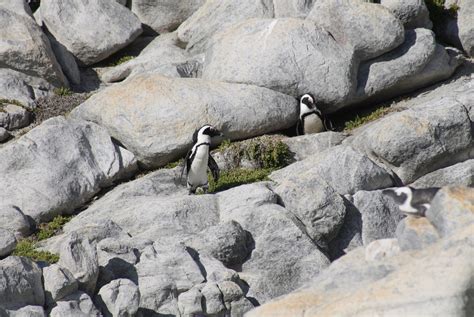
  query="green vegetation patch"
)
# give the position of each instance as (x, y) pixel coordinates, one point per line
(49, 229)
(10, 102)
(121, 60)
(26, 248)
(361, 120)
(236, 177)
(62, 91)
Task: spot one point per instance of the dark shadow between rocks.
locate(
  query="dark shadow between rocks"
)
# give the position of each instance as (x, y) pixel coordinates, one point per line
(195, 255)
(145, 312)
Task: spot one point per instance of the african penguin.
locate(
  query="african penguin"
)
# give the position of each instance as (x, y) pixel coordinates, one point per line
(311, 119)
(412, 201)
(199, 159)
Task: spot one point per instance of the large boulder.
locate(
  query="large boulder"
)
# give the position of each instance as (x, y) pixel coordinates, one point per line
(20, 283)
(304, 146)
(368, 27)
(25, 48)
(461, 174)
(59, 165)
(113, 25)
(119, 298)
(292, 56)
(466, 26)
(419, 140)
(58, 283)
(164, 15)
(155, 117)
(412, 13)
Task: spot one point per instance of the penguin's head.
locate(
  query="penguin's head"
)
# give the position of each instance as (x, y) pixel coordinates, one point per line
(206, 131)
(308, 105)
(399, 195)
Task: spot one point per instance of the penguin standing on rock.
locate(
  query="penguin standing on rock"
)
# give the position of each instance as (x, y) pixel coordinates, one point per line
(199, 159)
(412, 201)
(311, 119)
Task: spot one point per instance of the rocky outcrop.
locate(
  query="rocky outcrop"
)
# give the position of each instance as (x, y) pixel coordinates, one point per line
(58, 283)
(150, 115)
(36, 165)
(15, 85)
(120, 298)
(412, 13)
(465, 26)
(114, 27)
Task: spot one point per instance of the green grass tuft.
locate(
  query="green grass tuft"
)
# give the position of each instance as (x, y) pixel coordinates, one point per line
(11, 102)
(26, 248)
(121, 60)
(62, 91)
(236, 177)
(361, 120)
(173, 164)
(47, 230)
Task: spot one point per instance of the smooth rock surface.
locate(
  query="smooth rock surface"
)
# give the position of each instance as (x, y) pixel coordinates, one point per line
(7, 242)
(119, 298)
(58, 283)
(14, 220)
(412, 13)
(152, 115)
(419, 140)
(466, 26)
(292, 56)
(60, 165)
(415, 233)
(304, 146)
(369, 28)
(379, 249)
(111, 25)
(20, 283)
(461, 174)
(164, 15)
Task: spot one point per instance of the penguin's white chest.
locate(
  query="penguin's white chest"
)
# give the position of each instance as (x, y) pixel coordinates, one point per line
(197, 175)
(313, 124)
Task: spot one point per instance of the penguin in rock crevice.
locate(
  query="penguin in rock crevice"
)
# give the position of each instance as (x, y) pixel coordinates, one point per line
(199, 159)
(311, 119)
(411, 201)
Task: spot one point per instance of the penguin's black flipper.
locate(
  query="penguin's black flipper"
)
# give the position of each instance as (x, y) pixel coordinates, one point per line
(211, 163)
(187, 164)
(299, 128)
(328, 124)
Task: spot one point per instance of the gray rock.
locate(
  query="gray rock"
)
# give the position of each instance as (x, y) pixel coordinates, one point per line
(344, 169)
(26, 311)
(119, 298)
(461, 174)
(367, 27)
(161, 56)
(315, 203)
(4, 135)
(7, 242)
(25, 48)
(415, 233)
(379, 249)
(13, 219)
(419, 61)
(114, 27)
(147, 99)
(13, 117)
(20, 283)
(163, 273)
(412, 13)
(213, 299)
(21, 87)
(419, 140)
(77, 304)
(292, 8)
(304, 146)
(465, 25)
(279, 243)
(66, 60)
(452, 209)
(360, 283)
(227, 242)
(380, 215)
(190, 303)
(164, 15)
(298, 54)
(240, 307)
(230, 291)
(80, 258)
(58, 283)
(60, 165)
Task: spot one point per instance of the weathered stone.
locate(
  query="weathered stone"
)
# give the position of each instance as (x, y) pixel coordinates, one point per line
(4, 135)
(66, 60)
(164, 15)
(213, 299)
(21, 87)
(412, 13)
(367, 27)
(60, 165)
(452, 209)
(230, 291)
(344, 169)
(379, 249)
(304, 146)
(76, 304)
(26, 311)
(380, 215)
(20, 283)
(12, 219)
(58, 283)
(114, 27)
(419, 140)
(7, 242)
(273, 53)
(465, 25)
(415, 233)
(160, 122)
(227, 242)
(461, 174)
(13, 117)
(190, 302)
(80, 258)
(119, 298)
(25, 48)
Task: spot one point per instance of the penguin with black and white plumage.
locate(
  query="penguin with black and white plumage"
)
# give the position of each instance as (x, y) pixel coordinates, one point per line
(199, 159)
(311, 119)
(412, 201)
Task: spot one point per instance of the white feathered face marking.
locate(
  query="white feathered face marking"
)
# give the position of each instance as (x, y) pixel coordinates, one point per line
(205, 133)
(307, 105)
